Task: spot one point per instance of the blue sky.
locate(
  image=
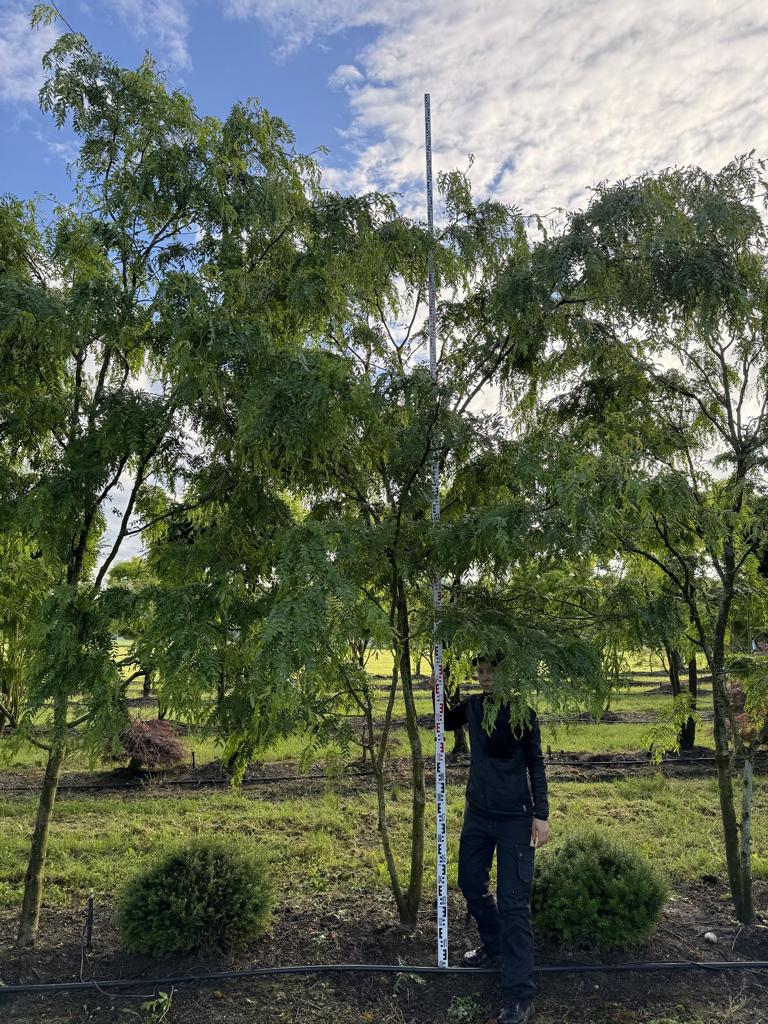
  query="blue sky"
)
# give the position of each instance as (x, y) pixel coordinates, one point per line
(232, 59)
(550, 96)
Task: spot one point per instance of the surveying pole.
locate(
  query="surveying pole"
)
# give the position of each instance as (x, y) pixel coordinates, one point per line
(437, 597)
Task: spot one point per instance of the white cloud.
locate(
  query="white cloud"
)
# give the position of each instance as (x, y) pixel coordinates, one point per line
(21, 49)
(550, 97)
(345, 74)
(67, 151)
(297, 22)
(163, 24)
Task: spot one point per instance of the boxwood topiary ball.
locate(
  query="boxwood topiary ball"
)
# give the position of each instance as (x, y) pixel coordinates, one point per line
(206, 894)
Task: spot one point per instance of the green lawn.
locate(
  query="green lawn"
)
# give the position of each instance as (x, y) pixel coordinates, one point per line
(329, 843)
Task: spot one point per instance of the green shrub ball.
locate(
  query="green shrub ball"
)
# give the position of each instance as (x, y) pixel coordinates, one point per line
(593, 892)
(204, 895)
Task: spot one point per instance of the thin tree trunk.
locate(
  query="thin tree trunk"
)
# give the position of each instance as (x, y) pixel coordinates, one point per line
(725, 787)
(460, 748)
(688, 732)
(675, 664)
(33, 882)
(745, 846)
(413, 895)
(378, 759)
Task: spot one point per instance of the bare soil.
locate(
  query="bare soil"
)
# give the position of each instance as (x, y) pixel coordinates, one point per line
(364, 929)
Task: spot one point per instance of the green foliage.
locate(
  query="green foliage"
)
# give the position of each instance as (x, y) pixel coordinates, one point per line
(594, 891)
(464, 1010)
(206, 894)
(751, 671)
(663, 735)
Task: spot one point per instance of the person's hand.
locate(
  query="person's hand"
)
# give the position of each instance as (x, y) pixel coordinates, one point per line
(540, 833)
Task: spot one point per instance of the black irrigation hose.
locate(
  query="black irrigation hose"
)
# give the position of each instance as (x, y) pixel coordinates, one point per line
(253, 972)
(690, 762)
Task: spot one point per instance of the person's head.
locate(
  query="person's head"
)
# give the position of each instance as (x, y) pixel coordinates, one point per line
(484, 666)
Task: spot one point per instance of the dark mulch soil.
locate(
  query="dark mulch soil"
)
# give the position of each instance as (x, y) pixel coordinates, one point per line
(364, 930)
(284, 778)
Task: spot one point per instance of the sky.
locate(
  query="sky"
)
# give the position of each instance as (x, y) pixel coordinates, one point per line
(549, 96)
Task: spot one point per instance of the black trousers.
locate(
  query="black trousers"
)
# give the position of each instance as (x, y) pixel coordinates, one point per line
(505, 928)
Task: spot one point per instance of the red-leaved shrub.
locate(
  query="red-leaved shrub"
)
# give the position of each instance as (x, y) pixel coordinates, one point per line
(151, 744)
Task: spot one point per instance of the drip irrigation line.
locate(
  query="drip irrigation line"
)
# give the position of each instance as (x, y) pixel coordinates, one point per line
(259, 972)
(164, 782)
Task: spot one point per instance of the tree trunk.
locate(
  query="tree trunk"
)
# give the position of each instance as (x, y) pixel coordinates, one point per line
(147, 689)
(725, 788)
(460, 746)
(33, 882)
(745, 846)
(675, 664)
(412, 899)
(378, 759)
(688, 732)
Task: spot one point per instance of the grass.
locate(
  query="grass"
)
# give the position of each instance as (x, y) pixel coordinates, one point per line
(329, 843)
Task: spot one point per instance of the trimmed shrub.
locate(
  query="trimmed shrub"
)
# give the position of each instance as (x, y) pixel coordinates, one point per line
(206, 895)
(594, 892)
(151, 744)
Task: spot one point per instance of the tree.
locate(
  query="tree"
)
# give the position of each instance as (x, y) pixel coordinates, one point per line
(650, 615)
(130, 284)
(25, 580)
(663, 348)
(346, 425)
(133, 576)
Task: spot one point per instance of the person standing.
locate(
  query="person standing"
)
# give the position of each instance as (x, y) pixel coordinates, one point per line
(506, 810)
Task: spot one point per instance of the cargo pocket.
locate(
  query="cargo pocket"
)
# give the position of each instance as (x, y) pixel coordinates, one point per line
(525, 864)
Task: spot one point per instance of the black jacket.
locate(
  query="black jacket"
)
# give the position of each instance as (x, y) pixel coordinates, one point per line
(502, 762)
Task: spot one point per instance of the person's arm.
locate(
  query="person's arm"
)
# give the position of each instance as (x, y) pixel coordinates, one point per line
(534, 759)
(454, 717)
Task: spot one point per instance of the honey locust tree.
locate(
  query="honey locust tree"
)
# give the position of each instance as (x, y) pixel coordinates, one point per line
(115, 312)
(344, 427)
(661, 452)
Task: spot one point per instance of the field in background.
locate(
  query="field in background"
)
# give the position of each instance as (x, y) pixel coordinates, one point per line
(641, 699)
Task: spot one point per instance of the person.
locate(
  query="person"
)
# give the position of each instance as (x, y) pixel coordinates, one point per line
(506, 809)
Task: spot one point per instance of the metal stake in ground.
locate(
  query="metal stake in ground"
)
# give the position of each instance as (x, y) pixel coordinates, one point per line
(437, 596)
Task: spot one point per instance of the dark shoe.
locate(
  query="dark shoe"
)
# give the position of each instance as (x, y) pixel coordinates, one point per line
(481, 957)
(515, 1013)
